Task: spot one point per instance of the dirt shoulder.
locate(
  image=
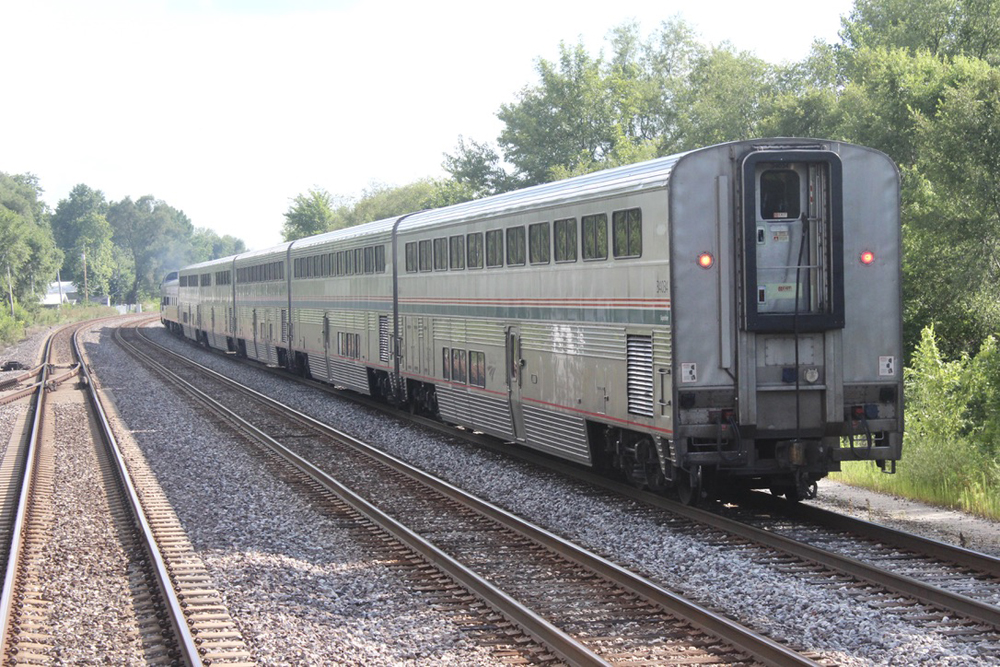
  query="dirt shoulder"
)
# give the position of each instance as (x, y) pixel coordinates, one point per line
(945, 525)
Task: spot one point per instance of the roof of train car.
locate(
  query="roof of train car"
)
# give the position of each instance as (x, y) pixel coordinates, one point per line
(609, 182)
(210, 263)
(264, 252)
(619, 180)
(375, 227)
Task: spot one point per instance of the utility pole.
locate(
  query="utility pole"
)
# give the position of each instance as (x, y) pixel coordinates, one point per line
(86, 290)
(10, 291)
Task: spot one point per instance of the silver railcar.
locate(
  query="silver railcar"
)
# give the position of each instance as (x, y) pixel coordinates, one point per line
(728, 314)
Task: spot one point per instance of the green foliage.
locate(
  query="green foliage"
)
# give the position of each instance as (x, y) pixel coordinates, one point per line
(310, 213)
(940, 27)
(207, 245)
(153, 237)
(586, 112)
(727, 97)
(28, 255)
(951, 449)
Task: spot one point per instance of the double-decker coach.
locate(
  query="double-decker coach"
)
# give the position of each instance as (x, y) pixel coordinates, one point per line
(730, 313)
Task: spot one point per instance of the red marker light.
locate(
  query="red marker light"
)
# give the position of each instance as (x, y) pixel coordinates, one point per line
(867, 257)
(705, 260)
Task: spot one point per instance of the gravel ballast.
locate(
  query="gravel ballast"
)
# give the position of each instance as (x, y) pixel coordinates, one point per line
(814, 617)
(300, 589)
(305, 593)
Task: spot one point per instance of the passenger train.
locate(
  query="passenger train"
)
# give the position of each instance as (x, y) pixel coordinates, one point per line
(729, 317)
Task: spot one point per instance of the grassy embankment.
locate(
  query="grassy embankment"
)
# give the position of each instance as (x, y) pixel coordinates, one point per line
(951, 449)
(14, 329)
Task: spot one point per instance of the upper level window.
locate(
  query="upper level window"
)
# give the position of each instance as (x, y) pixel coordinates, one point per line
(494, 248)
(457, 252)
(474, 250)
(515, 246)
(565, 233)
(426, 256)
(779, 194)
(595, 236)
(411, 257)
(538, 243)
(440, 254)
(626, 229)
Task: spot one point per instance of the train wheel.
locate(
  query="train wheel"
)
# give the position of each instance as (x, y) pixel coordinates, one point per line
(688, 485)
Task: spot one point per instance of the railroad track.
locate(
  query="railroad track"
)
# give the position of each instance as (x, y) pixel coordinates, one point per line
(40, 621)
(583, 608)
(923, 581)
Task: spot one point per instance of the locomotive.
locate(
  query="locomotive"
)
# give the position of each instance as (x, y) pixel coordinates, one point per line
(724, 318)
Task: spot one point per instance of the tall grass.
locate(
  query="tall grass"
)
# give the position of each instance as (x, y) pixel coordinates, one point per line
(951, 448)
(14, 329)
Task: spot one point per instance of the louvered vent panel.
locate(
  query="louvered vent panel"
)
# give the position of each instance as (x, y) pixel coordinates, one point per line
(640, 375)
(383, 337)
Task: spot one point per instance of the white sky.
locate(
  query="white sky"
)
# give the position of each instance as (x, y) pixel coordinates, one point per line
(228, 109)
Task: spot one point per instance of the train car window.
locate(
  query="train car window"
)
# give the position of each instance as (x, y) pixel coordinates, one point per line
(446, 363)
(595, 236)
(350, 268)
(456, 252)
(515, 246)
(474, 250)
(458, 366)
(411, 257)
(370, 259)
(441, 254)
(326, 264)
(426, 256)
(538, 243)
(380, 259)
(494, 248)
(359, 260)
(779, 194)
(626, 230)
(477, 369)
(341, 264)
(565, 240)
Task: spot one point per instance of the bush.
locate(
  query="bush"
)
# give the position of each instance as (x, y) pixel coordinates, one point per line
(952, 439)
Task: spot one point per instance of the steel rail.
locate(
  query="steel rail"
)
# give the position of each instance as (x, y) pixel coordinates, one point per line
(927, 593)
(898, 583)
(974, 560)
(757, 646)
(560, 643)
(182, 632)
(24, 498)
(10, 382)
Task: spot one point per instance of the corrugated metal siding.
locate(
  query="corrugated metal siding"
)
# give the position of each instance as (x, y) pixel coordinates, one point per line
(349, 375)
(556, 433)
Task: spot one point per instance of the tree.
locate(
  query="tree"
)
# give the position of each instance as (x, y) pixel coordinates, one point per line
(940, 27)
(27, 249)
(477, 168)
(80, 227)
(953, 213)
(207, 245)
(728, 95)
(154, 237)
(310, 213)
